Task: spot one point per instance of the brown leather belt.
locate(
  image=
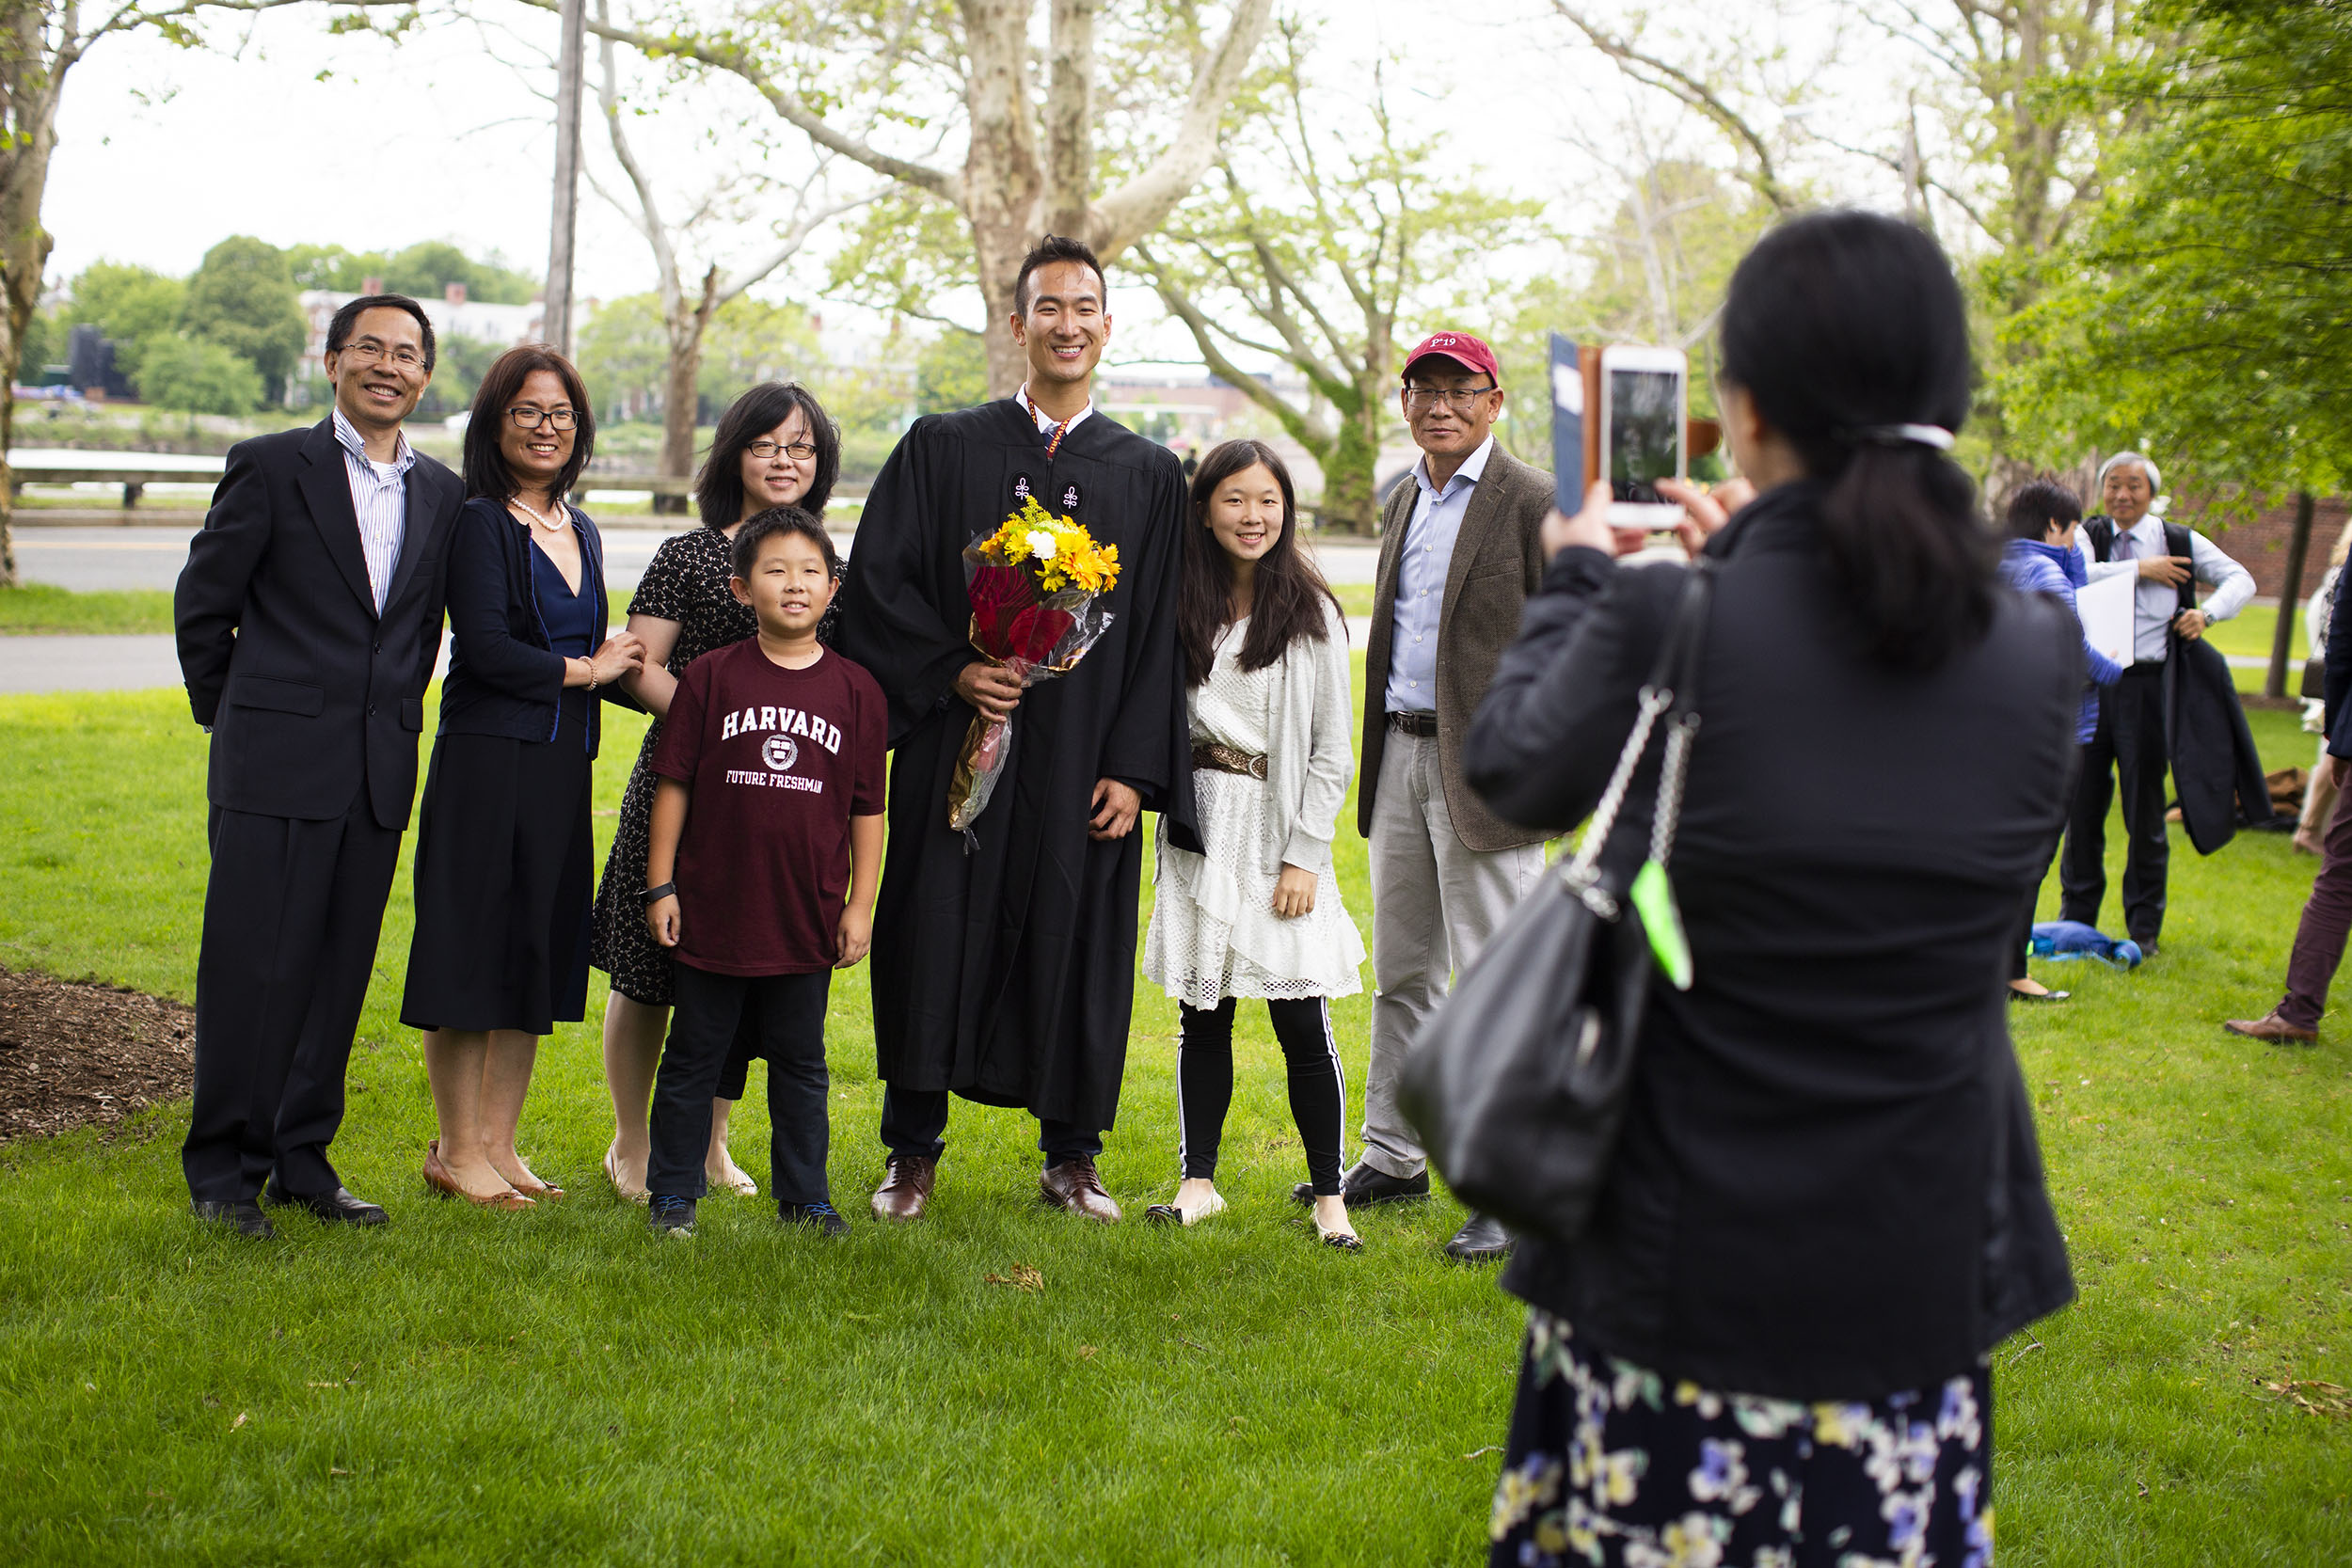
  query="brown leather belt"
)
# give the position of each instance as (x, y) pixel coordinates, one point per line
(1220, 758)
(1422, 724)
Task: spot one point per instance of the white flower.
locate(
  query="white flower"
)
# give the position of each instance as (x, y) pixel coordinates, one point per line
(1040, 544)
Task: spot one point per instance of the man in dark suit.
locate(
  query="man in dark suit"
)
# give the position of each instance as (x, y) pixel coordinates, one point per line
(309, 618)
(1460, 554)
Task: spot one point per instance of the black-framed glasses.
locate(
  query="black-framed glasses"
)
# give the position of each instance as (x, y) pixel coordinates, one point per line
(368, 352)
(799, 451)
(531, 419)
(1462, 399)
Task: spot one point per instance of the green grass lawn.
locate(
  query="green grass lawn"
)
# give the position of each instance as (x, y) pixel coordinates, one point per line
(556, 1387)
(34, 607)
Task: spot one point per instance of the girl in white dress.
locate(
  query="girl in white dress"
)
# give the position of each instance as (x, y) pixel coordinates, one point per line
(1259, 914)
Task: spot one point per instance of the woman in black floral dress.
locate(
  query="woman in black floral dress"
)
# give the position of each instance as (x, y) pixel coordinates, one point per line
(773, 446)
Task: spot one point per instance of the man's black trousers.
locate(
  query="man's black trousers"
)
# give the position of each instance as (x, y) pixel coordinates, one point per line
(292, 915)
(2127, 745)
(706, 1010)
(915, 1124)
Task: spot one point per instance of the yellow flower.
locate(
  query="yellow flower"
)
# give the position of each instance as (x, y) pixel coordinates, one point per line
(1061, 552)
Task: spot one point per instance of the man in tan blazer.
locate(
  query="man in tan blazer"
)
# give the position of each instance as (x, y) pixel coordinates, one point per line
(1459, 557)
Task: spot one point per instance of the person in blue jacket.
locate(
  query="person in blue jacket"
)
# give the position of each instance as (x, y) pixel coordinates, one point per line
(2041, 558)
(504, 865)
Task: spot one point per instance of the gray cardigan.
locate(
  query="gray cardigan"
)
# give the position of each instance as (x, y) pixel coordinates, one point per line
(1311, 751)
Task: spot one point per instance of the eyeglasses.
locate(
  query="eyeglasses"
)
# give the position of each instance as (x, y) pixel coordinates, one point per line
(368, 352)
(531, 419)
(1463, 399)
(799, 451)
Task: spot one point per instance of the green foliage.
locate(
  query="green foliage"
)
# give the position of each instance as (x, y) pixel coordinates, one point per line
(130, 304)
(907, 254)
(423, 270)
(2205, 313)
(41, 340)
(460, 362)
(1228, 1394)
(196, 375)
(1655, 275)
(624, 353)
(1333, 232)
(243, 298)
(951, 372)
(621, 355)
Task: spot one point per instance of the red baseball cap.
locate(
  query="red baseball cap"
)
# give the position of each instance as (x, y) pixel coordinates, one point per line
(1460, 347)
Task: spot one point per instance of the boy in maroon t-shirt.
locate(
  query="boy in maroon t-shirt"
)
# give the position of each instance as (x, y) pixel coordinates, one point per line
(769, 811)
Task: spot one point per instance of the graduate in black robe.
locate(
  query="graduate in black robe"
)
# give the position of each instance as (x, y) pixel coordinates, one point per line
(1003, 968)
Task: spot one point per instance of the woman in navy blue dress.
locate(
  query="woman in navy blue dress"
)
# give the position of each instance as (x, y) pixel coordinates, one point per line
(504, 863)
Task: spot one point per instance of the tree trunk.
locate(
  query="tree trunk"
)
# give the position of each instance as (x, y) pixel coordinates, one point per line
(1003, 176)
(2290, 593)
(680, 402)
(679, 405)
(29, 81)
(1351, 496)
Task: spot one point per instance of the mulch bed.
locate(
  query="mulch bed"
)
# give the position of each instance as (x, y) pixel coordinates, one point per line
(76, 1054)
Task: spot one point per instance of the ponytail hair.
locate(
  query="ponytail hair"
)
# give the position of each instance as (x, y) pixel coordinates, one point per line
(1848, 331)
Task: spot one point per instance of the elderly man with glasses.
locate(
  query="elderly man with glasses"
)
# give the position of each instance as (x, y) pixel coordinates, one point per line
(1460, 554)
(309, 618)
(2130, 744)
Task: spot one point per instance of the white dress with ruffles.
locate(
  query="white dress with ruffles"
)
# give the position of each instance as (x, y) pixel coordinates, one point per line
(1214, 932)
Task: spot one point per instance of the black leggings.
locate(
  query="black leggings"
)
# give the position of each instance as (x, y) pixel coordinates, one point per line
(1205, 1085)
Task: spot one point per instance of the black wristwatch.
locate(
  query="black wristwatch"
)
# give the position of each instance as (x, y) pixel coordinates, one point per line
(654, 894)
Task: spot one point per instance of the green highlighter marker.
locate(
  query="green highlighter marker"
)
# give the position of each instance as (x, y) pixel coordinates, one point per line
(1653, 896)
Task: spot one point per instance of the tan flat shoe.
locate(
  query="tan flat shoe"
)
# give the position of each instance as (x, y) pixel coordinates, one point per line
(436, 1176)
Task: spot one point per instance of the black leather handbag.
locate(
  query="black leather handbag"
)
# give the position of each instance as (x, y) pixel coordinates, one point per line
(1517, 1084)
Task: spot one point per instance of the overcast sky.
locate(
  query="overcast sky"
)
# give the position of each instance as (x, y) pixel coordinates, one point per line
(296, 135)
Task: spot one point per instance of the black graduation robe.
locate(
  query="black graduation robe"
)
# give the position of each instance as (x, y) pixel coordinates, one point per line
(1005, 969)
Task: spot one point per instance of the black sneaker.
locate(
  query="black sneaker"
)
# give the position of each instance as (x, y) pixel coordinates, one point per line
(671, 1217)
(825, 1216)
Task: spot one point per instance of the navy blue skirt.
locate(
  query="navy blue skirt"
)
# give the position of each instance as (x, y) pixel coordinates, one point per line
(504, 870)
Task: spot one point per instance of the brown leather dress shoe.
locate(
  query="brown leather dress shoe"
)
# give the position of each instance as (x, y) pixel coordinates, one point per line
(906, 1188)
(1075, 1185)
(2270, 1026)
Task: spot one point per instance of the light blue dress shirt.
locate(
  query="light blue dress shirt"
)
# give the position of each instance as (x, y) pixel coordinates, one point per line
(379, 498)
(1420, 574)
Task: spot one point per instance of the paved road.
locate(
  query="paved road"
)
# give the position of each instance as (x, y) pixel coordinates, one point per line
(112, 558)
(150, 557)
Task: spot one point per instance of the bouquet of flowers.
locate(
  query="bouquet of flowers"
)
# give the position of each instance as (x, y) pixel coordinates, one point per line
(1037, 586)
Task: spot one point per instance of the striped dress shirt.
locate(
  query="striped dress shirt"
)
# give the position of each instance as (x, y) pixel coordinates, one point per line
(379, 496)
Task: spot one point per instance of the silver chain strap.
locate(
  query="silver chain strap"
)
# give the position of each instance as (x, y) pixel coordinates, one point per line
(1578, 874)
(1671, 770)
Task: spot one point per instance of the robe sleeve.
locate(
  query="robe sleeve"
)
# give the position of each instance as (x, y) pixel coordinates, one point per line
(1149, 743)
(893, 620)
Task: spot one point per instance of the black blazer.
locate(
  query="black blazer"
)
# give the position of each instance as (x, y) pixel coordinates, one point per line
(503, 678)
(1828, 1184)
(308, 691)
(2216, 769)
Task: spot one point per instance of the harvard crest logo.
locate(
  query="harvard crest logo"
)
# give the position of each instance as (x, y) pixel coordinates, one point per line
(780, 752)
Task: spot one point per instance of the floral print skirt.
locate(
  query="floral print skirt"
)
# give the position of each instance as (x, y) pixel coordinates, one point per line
(1609, 1463)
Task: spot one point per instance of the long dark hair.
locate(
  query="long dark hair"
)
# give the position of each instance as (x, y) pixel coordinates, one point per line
(1287, 593)
(487, 473)
(719, 488)
(1841, 326)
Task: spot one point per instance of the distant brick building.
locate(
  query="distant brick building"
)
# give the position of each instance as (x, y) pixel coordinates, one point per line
(2260, 544)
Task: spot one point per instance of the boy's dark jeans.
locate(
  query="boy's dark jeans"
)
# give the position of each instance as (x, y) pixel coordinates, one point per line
(791, 1013)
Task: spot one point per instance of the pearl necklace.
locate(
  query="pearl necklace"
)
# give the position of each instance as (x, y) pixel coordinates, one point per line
(553, 525)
